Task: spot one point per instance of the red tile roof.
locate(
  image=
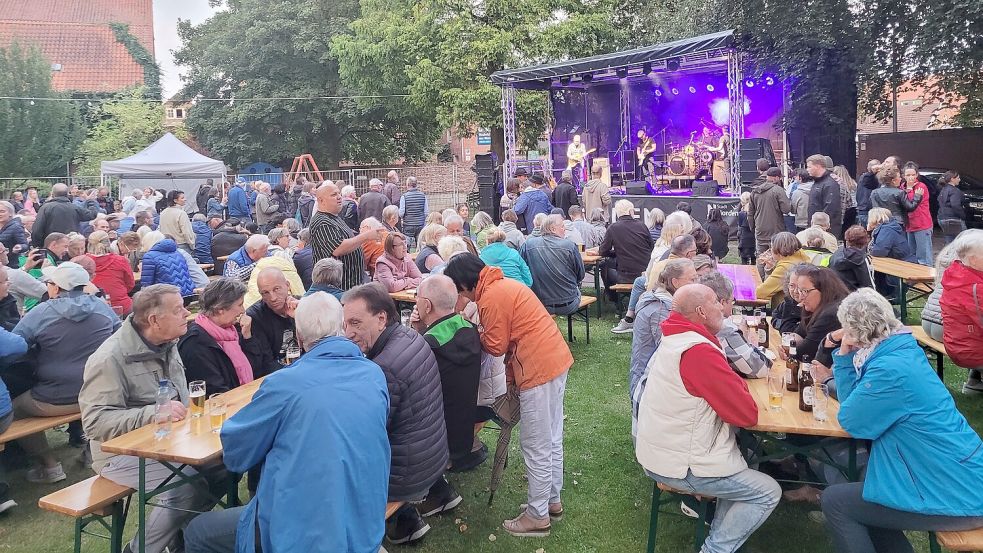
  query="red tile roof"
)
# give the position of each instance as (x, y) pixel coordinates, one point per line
(76, 34)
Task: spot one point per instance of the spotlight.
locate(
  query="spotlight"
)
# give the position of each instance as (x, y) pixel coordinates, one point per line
(565, 81)
(749, 83)
(692, 90)
(646, 68)
(587, 77)
(675, 90)
(623, 73)
(769, 81)
(709, 88)
(673, 64)
(658, 92)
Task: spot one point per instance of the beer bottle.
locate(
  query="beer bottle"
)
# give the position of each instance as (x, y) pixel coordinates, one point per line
(792, 371)
(806, 390)
(763, 330)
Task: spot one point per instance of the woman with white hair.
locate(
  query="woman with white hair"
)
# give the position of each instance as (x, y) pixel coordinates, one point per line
(448, 247)
(280, 243)
(962, 307)
(926, 463)
(627, 247)
(481, 225)
(427, 257)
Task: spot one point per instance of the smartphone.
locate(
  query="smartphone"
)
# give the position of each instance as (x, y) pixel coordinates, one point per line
(41, 253)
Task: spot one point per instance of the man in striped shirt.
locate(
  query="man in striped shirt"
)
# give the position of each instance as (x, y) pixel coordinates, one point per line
(331, 237)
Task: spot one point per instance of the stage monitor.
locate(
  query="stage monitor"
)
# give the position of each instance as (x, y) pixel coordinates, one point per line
(636, 188)
(709, 188)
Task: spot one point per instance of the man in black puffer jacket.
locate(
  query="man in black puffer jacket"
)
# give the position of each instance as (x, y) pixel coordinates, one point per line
(417, 433)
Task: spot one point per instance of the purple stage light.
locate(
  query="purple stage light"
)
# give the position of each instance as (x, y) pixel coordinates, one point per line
(749, 83)
(692, 90)
(769, 81)
(709, 88)
(675, 91)
(658, 93)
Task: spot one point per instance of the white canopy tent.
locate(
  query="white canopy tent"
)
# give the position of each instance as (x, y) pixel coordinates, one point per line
(166, 164)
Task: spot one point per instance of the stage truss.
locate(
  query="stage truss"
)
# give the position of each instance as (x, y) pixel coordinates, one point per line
(735, 97)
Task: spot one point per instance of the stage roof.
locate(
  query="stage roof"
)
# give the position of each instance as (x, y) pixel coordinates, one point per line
(613, 61)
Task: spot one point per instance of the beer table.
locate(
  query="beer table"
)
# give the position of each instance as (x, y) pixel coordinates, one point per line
(190, 443)
(592, 265)
(746, 280)
(911, 275)
(404, 297)
(789, 420)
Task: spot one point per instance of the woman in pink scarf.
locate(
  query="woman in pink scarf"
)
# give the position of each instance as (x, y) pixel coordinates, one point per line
(211, 349)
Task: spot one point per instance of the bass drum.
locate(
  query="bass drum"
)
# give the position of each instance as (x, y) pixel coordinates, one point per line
(707, 158)
(677, 165)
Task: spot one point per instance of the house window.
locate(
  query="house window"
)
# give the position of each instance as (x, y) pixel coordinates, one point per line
(170, 113)
(179, 113)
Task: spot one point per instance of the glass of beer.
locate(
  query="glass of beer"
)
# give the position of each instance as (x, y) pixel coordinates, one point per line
(776, 387)
(293, 354)
(197, 388)
(216, 411)
(820, 402)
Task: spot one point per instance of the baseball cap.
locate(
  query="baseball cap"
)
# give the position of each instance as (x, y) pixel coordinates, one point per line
(521, 172)
(66, 276)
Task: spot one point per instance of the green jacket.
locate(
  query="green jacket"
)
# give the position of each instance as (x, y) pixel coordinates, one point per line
(119, 387)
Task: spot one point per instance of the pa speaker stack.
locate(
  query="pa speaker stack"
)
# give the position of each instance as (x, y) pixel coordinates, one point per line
(707, 188)
(636, 188)
(485, 168)
(753, 149)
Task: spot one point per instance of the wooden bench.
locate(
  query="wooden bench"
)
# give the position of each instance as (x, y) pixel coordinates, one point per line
(930, 344)
(582, 313)
(92, 500)
(621, 291)
(672, 496)
(392, 507)
(967, 540)
(25, 427)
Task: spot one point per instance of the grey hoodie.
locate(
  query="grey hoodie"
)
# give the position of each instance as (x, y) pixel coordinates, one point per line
(652, 308)
(513, 236)
(800, 204)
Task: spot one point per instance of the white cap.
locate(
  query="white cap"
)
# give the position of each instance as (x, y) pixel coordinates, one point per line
(66, 276)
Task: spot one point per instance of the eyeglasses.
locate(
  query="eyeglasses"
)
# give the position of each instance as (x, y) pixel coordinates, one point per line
(806, 291)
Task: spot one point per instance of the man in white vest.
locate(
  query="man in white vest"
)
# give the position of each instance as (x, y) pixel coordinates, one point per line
(688, 417)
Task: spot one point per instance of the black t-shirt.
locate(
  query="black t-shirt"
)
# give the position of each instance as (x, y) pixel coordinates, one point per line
(271, 336)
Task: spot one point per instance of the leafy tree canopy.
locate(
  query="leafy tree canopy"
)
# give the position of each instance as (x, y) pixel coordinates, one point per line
(36, 137)
(122, 127)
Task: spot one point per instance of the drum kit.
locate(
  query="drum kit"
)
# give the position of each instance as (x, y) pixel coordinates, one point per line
(689, 159)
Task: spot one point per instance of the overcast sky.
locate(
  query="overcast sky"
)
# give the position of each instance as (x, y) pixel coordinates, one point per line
(166, 14)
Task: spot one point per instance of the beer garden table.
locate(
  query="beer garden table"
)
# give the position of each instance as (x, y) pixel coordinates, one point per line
(746, 280)
(592, 263)
(911, 275)
(190, 443)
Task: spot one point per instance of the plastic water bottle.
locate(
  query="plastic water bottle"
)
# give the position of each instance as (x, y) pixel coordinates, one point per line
(162, 411)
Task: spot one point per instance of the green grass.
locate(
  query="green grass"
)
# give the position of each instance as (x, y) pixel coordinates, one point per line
(606, 496)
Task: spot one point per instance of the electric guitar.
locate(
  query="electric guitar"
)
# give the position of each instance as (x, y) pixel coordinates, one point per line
(573, 161)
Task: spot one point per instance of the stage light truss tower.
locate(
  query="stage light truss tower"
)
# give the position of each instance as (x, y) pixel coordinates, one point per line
(735, 96)
(508, 126)
(625, 138)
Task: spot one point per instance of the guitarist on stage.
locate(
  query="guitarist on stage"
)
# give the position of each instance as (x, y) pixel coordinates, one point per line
(576, 154)
(643, 155)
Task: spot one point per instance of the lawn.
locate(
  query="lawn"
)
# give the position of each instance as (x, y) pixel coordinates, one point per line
(606, 496)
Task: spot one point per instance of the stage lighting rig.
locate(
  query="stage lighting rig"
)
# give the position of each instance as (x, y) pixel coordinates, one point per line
(565, 81)
(646, 68)
(623, 73)
(673, 64)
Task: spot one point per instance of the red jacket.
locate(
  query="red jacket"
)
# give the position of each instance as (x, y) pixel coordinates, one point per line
(921, 217)
(962, 314)
(515, 324)
(115, 277)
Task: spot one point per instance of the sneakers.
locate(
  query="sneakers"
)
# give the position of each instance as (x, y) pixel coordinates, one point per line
(45, 475)
(623, 327)
(973, 387)
(470, 461)
(687, 511)
(7, 505)
(407, 526)
(555, 510)
(433, 505)
(806, 494)
(525, 526)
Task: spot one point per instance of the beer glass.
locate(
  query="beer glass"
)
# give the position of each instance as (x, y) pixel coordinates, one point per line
(820, 402)
(216, 411)
(776, 388)
(197, 388)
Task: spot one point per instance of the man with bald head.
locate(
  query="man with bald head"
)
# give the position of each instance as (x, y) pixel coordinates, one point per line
(268, 327)
(59, 214)
(457, 347)
(688, 417)
(331, 237)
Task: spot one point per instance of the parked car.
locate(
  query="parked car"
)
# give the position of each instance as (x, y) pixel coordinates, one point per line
(972, 188)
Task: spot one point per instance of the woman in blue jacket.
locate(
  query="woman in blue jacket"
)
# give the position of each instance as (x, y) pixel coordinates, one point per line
(499, 254)
(163, 264)
(887, 239)
(925, 470)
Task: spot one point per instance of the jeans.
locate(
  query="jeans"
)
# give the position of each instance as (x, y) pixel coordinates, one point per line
(921, 242)
(541, 442)
(5, 422)
(213, 532)
(744, 502)
(859, 526)
(637, 289)
(610, 275)
(951, 228)
(862, 217)
(163, 525)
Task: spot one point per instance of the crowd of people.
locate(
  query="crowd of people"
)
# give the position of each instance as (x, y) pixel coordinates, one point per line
(95, 309)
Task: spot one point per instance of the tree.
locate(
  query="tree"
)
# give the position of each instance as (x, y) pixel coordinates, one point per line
(123, 127)
(258, 49)
(37, 137)
(441, 53)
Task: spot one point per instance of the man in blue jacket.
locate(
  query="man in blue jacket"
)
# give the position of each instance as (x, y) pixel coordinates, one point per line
(319, 428)
(533, 201)
(239, 201)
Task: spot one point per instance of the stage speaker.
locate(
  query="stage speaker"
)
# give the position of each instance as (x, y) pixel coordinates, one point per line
(708, 188)
(753, 149)
(636, 188)
(487, 179)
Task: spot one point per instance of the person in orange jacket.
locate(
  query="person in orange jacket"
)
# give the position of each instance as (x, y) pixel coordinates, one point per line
(514, 323)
